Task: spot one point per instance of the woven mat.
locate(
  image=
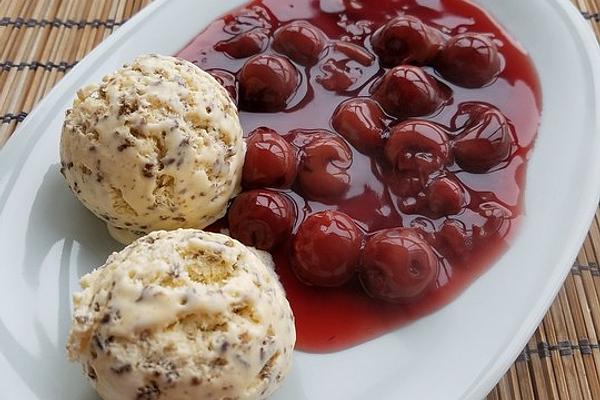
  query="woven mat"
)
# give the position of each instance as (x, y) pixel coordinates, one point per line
(43, 39)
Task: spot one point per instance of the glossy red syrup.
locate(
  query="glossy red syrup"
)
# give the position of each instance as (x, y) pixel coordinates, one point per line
(330, 319)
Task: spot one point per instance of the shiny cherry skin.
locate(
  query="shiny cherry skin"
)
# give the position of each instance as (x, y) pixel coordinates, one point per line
(270, 160)
(413, 205)
(323, 170)
(326, 249)
(486, 138)
(453, 240)
(407, 91)
(398, 266)
(361, 122)
(300, 41)
(261, 218)
(406, 40)
(407, 183)
(444, 196)
(266, 83)
(417, 146)
(470, 60)
(245, 44)
(227, 80)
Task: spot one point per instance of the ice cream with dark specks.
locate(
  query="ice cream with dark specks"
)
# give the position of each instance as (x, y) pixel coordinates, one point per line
(183, 315)
(155, 145)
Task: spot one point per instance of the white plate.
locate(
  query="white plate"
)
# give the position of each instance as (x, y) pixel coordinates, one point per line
(48, 240)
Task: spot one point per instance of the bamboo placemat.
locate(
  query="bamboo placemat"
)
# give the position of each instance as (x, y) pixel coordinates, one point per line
(42, 39)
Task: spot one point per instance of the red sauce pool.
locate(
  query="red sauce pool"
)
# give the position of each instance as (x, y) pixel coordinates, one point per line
(330, 319)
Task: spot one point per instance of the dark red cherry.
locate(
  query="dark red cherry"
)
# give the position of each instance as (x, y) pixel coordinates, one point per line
(249, 17)
(445, 197)
(407, 91)
(266, 83)
(454, 240)
(361, 122)
(323, 170)
(227, 80)
(416, 204)
(326, 249)
(245, 44)
(407, 183)
(486, 138)
(261, 218)
(406, 40)
(300, 41)
(398, 266)
(470, 59)
(417, 146)
(270, 160)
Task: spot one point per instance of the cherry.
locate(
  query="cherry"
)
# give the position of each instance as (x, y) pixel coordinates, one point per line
(245, 44)
(398, 266)
(406, 40)
(248, 18)
(407, 183)
(326, 249)
(361, 122)
(300, 41)
(417, 146)
(227, 80)
(407, 91)
(486, 138)
(457, 240)
(416, 204)
(323, 171)
(445, 197)
(454, 240)
(270, 160)
(261, 218)
(266, 83)
(470, 59)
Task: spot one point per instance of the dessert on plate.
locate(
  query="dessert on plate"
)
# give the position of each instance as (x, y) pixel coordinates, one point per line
(155, 145)
(184, 314)
(376, 150)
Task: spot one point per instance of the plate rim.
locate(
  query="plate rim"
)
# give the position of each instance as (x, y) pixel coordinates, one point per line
(495, 370)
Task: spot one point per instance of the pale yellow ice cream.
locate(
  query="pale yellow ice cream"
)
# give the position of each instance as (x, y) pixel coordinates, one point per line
(155, 145)
(183, 315)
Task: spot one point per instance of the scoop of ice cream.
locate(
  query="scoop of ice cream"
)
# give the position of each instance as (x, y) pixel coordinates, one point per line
(155, 145)
(181, 315)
